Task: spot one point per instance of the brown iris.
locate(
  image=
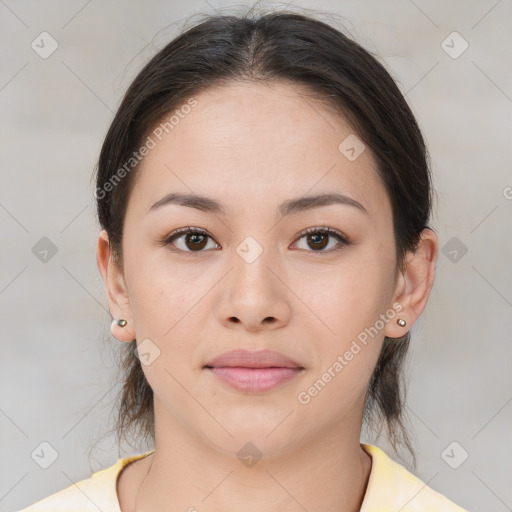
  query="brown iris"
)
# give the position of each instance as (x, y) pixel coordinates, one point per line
(197, 240)
(318, 238)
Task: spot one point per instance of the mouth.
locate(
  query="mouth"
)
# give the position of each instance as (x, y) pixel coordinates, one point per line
(254, 372)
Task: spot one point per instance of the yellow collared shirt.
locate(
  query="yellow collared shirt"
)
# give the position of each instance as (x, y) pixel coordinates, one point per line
(391, 488)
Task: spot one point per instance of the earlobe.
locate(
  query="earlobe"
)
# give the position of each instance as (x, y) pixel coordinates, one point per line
(415, 283)
(117, 328)
(117, 295)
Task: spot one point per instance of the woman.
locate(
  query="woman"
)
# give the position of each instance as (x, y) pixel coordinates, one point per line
(264, 194)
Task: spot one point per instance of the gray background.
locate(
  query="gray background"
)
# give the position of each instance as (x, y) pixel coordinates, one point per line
(57, 366)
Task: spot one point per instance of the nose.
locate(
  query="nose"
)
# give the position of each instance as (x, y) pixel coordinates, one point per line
(253, 296)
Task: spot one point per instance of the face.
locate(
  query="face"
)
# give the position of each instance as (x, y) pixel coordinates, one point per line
(252, 278)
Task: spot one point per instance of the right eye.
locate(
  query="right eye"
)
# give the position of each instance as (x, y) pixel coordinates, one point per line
(191, 239)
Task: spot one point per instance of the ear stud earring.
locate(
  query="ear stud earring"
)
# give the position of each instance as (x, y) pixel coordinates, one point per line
(401, 322)
(121, 322)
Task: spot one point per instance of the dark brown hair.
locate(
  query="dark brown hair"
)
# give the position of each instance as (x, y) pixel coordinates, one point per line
(298, 49)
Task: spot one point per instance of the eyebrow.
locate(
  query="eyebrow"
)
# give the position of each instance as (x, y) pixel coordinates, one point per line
(207, 204)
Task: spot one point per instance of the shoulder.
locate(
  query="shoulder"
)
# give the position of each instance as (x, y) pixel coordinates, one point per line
(392, 487)
(92, 494)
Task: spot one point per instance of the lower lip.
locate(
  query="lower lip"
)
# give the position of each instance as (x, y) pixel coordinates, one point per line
(254, 380)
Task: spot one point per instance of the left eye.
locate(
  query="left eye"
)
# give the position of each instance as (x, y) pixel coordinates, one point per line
(318, 238)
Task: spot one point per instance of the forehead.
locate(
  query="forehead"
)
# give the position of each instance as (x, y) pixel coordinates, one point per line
(254, 144)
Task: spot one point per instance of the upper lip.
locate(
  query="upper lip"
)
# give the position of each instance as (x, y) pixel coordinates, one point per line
(253, 359)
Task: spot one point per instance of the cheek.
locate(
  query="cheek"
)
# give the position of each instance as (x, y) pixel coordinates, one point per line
(345, 298)
(170, 304)
(166, 308)
(160, 295)
(349, 305)
(348, 344)
(165, 313)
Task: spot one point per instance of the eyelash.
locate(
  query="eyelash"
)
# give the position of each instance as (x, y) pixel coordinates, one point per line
(324, 230)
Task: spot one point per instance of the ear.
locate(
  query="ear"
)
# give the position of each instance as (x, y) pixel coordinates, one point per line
(117, 294)
(414, 283)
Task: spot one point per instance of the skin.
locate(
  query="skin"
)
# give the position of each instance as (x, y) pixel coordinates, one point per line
(251, 147)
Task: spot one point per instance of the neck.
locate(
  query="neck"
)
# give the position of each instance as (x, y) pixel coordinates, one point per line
(330, 471)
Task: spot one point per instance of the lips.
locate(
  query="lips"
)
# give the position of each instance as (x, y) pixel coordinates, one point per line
(246, 359)
(254, 372)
